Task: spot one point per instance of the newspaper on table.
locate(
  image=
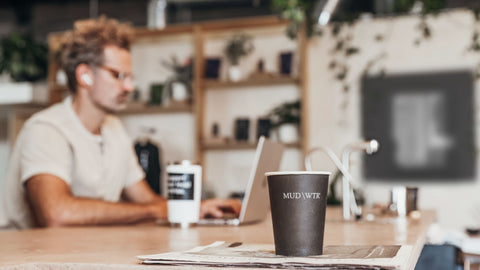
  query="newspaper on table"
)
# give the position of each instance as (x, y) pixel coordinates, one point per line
(223, 254)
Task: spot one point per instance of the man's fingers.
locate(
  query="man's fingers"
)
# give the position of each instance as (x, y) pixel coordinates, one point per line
(210, 211)
(217, 207)
(215, 212)
(235, 205)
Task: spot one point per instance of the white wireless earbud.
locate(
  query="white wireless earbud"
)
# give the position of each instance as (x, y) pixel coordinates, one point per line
(87, 79)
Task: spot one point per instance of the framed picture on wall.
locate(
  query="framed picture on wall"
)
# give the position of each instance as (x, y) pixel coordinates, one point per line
(424, 123)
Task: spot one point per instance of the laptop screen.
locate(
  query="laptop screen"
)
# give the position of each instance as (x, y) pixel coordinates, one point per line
(256, 201)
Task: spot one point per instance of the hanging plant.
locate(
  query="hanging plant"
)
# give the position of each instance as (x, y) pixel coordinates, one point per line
(342, 51)
(475, 40)
(299, 13)
(421, 8)
(427, 6)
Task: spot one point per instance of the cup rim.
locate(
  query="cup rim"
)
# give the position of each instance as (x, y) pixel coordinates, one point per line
(297, 172)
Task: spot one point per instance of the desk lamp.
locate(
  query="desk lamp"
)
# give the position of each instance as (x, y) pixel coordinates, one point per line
(349, 203)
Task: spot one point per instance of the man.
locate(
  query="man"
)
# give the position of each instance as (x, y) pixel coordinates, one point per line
(73, 163)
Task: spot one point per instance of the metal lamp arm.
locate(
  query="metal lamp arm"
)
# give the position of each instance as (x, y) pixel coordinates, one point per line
(333, 158)
(349, 203)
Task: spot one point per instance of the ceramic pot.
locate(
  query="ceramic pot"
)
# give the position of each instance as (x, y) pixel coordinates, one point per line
(234, 73)
(179, 91)
(288, 133)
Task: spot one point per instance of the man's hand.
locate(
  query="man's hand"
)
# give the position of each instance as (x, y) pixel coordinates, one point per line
(217, 207)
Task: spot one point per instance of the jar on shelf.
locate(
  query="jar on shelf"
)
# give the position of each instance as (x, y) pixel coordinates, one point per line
(156, 13)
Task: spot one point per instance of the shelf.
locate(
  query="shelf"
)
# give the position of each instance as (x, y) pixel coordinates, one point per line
(261, 81)
(238, 145)
(25, 106)
(242, 23)
(142, 108)
(170, 30)
(215, 25)
(55, 86)
(200, 36)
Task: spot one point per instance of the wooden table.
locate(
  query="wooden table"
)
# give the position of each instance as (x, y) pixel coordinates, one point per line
(115, 247)
(470, 260)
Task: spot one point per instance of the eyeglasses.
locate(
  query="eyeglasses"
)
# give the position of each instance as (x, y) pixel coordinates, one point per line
(119, 75)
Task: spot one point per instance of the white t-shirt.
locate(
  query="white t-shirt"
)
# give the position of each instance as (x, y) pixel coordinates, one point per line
(54, 141)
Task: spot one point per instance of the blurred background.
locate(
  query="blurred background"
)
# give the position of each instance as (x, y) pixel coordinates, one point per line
(403, 72)
(40, 17)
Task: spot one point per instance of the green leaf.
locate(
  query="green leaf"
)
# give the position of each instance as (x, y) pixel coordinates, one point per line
(351, 50)
(23, 58)
(288, 112)
(238, 46)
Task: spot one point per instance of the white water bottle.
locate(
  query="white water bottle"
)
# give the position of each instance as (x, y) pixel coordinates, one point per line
(184, 183)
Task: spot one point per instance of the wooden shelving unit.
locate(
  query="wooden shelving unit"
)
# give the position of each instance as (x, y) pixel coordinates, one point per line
(235, 145)
(204, 85)
(261, 81)
(170, 30)
(220, 25)
(142, 108)
(199, 35)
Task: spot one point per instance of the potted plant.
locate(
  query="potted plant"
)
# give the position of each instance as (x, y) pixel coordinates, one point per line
(286, 120)
(238, 46)
(23, 58)
(23, 65)
(178, 87)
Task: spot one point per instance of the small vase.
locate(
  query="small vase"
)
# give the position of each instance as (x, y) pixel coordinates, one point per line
(179, 91)
(234, 73)
(288, 133)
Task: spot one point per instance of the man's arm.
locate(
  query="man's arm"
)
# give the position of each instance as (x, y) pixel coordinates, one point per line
(54, 205)
(142, 193)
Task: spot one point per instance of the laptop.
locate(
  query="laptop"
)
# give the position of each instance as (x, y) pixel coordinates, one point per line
(256, 202)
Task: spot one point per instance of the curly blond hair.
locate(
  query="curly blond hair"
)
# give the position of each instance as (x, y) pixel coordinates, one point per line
(85, 43)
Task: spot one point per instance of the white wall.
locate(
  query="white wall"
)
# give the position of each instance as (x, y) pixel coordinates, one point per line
(7, 25)
(334, 127)
(4, 148)
(329, 124)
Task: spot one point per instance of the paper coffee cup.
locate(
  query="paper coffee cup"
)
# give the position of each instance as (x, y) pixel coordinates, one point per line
(298, 202)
